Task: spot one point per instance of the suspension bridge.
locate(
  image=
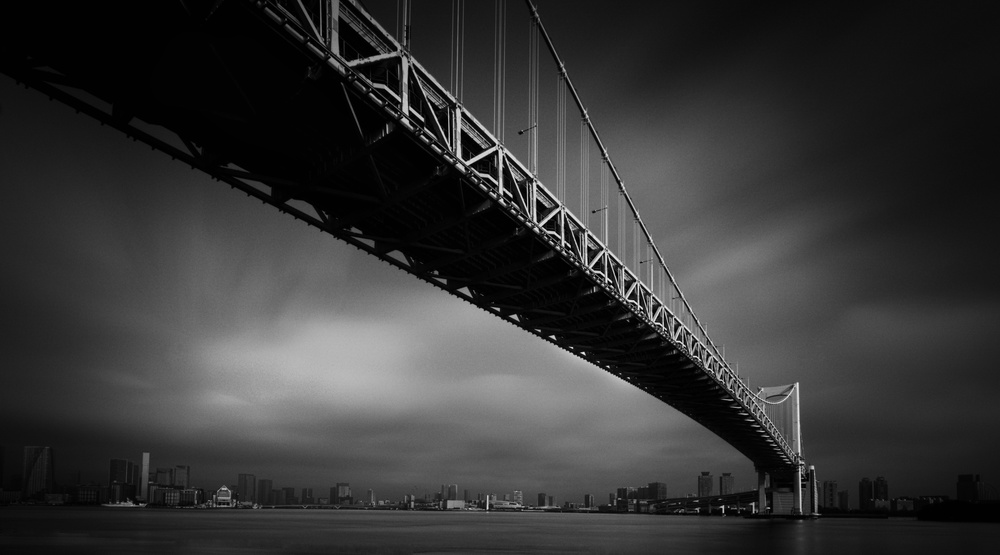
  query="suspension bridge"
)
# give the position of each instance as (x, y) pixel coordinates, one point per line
(314, 107)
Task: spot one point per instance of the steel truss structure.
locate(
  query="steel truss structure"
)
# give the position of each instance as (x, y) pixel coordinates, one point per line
(314, 108)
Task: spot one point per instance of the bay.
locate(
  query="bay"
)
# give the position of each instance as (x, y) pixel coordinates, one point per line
(104, 530)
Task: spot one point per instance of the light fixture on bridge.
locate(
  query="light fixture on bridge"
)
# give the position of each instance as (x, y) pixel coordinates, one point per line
(529, 128)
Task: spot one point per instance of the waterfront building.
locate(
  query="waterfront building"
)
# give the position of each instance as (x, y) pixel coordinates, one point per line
(144, 477)
(518, 497)
(289, 494)
(453, 492)
(657, 490)
(192, 496)
(843, 500)
(588, 501)
(541, 499)
(121, 480)
(307, 496)
(829, 494)
(278, 496)
(246, 488)
(343, 494)
(551, 501)
(224, 497)
(264, 487)
(866, 495)
(727, 484)
(39, 473)
(880, 489)
(705, 484)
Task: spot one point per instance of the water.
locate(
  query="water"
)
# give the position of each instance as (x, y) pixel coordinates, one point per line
(103, 530)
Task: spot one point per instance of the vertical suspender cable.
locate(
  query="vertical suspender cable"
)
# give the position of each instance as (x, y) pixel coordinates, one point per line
(697, 328)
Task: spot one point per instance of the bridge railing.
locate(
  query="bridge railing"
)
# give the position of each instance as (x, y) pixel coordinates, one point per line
(379, 67)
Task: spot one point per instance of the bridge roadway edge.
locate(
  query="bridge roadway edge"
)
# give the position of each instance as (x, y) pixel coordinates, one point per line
(685, 383)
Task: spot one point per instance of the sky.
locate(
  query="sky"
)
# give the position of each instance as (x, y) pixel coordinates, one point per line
(821, 182)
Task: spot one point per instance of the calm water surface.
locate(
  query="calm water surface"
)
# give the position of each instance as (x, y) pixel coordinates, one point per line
(103, 530)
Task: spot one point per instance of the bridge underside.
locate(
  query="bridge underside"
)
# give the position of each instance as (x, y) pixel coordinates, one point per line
(255, 108)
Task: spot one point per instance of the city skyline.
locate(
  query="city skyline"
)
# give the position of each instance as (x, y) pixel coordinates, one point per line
(873, 495)
(815, 179)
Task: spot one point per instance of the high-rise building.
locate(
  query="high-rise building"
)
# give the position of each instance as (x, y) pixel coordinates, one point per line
(371, 498)
(828, 498)
(843, 500)
(518, 497)
(705, 484)
(657, 490)
(144, 478)
(551, 501)
(866, 495)
(588, 501)
(343, 494)
(881, 489)
(264, 488)
(39, 472)
(542, 499)
(289, 496)
(246, 488)
(307, 496)
(121, 480)
(182, 476)
(452, 492)
(726, 483)
(164, 476)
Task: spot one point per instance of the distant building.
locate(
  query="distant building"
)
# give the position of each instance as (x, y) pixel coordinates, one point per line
(551, 501)
(971, 488)
(880, 492)
(264, 487)
(866, 495)
(278, 496)
(307, 496)
(289, 494)
(144, 478)
(588, 501)
(843, 500)
(828, 497)
(164, 476)
(39, 472)
(518, 497)
(121, 480)
(726, 483)
(705, 484)
(657, 490)
(343, 494)
(246, 488)
(541, 500)
(224, 497)
(182, 476)
(453, 492)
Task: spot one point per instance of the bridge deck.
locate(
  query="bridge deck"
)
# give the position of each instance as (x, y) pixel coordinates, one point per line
(374, 152)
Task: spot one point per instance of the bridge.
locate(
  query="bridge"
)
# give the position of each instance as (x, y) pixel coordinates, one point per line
(315, 108)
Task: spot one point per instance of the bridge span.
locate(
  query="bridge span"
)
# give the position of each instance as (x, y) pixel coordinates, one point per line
(316, 109)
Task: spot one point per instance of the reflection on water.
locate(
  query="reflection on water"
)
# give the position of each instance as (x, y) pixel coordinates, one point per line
(102, 530)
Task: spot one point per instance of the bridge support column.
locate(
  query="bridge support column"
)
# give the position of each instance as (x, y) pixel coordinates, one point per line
(797, 493)
(761, 492)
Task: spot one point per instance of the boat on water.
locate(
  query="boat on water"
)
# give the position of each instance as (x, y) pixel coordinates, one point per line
(128, 503)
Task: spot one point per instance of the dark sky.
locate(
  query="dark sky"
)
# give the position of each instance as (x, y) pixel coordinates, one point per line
(822, 182)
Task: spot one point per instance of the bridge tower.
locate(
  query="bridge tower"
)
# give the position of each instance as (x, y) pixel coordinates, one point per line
(783, 408)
